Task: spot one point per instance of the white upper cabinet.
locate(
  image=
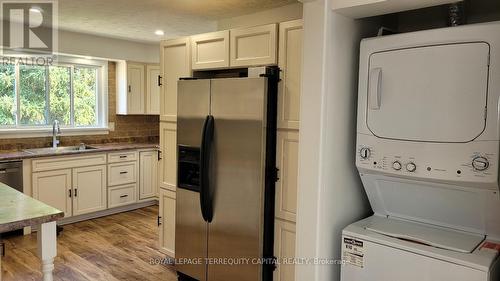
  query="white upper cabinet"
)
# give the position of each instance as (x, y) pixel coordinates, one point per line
(153, 82)
(210, 50)
(168, 162)
(254, 46)
(137, 88)
(369, 8)
(135, 99)
(175, 57)
(129, 88)
(290, 63)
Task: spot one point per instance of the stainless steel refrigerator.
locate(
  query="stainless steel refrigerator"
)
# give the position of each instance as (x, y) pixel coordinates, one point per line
(226, 136)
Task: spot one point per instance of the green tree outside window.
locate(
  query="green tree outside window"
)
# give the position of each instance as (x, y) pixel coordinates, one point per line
(64, 93)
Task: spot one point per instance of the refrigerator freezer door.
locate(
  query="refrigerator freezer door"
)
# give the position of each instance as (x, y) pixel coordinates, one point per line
(191, 229)
(238, 163)
(193, 106)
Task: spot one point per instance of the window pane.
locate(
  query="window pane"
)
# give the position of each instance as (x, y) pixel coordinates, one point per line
(85, 95)
(7, 95)
(33, 95)
(60, 95)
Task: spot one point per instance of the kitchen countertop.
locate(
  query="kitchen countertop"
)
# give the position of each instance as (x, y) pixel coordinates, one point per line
(108, 147)
(18, 210)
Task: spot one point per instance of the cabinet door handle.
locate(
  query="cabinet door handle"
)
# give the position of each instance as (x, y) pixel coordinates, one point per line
(159, 220)
(122, 173)
(129, 88)
(123, 156)
(159, 81)
(124, 196)
(159, 155)
(76, 192)
(70, 193)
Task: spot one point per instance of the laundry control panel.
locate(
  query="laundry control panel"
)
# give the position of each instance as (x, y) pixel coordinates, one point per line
(475, 162)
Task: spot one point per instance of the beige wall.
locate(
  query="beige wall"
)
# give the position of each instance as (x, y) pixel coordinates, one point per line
(330, 192)
(286, 13)
(109, 48)
(128, 128)
(74, 43)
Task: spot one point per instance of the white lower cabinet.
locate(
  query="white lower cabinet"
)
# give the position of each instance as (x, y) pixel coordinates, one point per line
(88, 185)
(123, 176)
(166, 222)
(121, 195)
(284, 250)
(122, 156)
(54, 189)
(75, 191)
(89, 190)
(148, 174)
(122, 173)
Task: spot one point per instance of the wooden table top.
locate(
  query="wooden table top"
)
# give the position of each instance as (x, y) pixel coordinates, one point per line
(18, 210)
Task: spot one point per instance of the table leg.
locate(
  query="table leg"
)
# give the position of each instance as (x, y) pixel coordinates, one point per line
(47, 248)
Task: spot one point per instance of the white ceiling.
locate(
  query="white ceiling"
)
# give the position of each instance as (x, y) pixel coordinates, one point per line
(138, 19)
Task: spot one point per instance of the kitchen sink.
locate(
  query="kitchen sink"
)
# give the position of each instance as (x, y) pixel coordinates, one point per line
(61, 149)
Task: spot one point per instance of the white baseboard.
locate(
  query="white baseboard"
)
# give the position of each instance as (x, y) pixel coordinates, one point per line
(107, 212)
(103, 213)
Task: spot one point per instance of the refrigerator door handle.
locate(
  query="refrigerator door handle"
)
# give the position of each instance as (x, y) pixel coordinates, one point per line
(205, 153)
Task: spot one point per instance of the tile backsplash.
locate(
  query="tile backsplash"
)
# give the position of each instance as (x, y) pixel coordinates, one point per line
(127, 128)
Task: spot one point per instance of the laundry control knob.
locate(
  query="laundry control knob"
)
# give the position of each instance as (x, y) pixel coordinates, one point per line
(365, 153)
(480, 163)
(396, 165)
(411, 167)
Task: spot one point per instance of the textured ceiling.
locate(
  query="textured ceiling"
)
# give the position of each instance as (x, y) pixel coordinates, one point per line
(138, 19)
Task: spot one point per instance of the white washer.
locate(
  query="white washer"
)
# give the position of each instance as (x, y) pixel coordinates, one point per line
(383, 249)
(428, 139)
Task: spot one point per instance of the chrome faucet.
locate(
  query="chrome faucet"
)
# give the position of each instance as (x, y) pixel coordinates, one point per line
(56, 130)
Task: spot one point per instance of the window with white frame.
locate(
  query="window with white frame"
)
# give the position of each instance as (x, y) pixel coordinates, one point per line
(71, 91)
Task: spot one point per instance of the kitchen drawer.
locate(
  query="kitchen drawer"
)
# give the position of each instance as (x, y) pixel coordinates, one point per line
(123, 156)
(68, 162)
(122, 173)
(122, 195)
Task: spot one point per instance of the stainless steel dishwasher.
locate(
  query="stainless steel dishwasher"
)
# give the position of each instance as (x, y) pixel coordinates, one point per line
(11, 174)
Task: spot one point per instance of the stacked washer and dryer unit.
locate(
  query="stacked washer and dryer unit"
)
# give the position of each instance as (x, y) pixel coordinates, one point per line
(428, 139)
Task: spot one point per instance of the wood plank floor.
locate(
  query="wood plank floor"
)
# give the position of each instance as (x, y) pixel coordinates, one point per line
(117, 247)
